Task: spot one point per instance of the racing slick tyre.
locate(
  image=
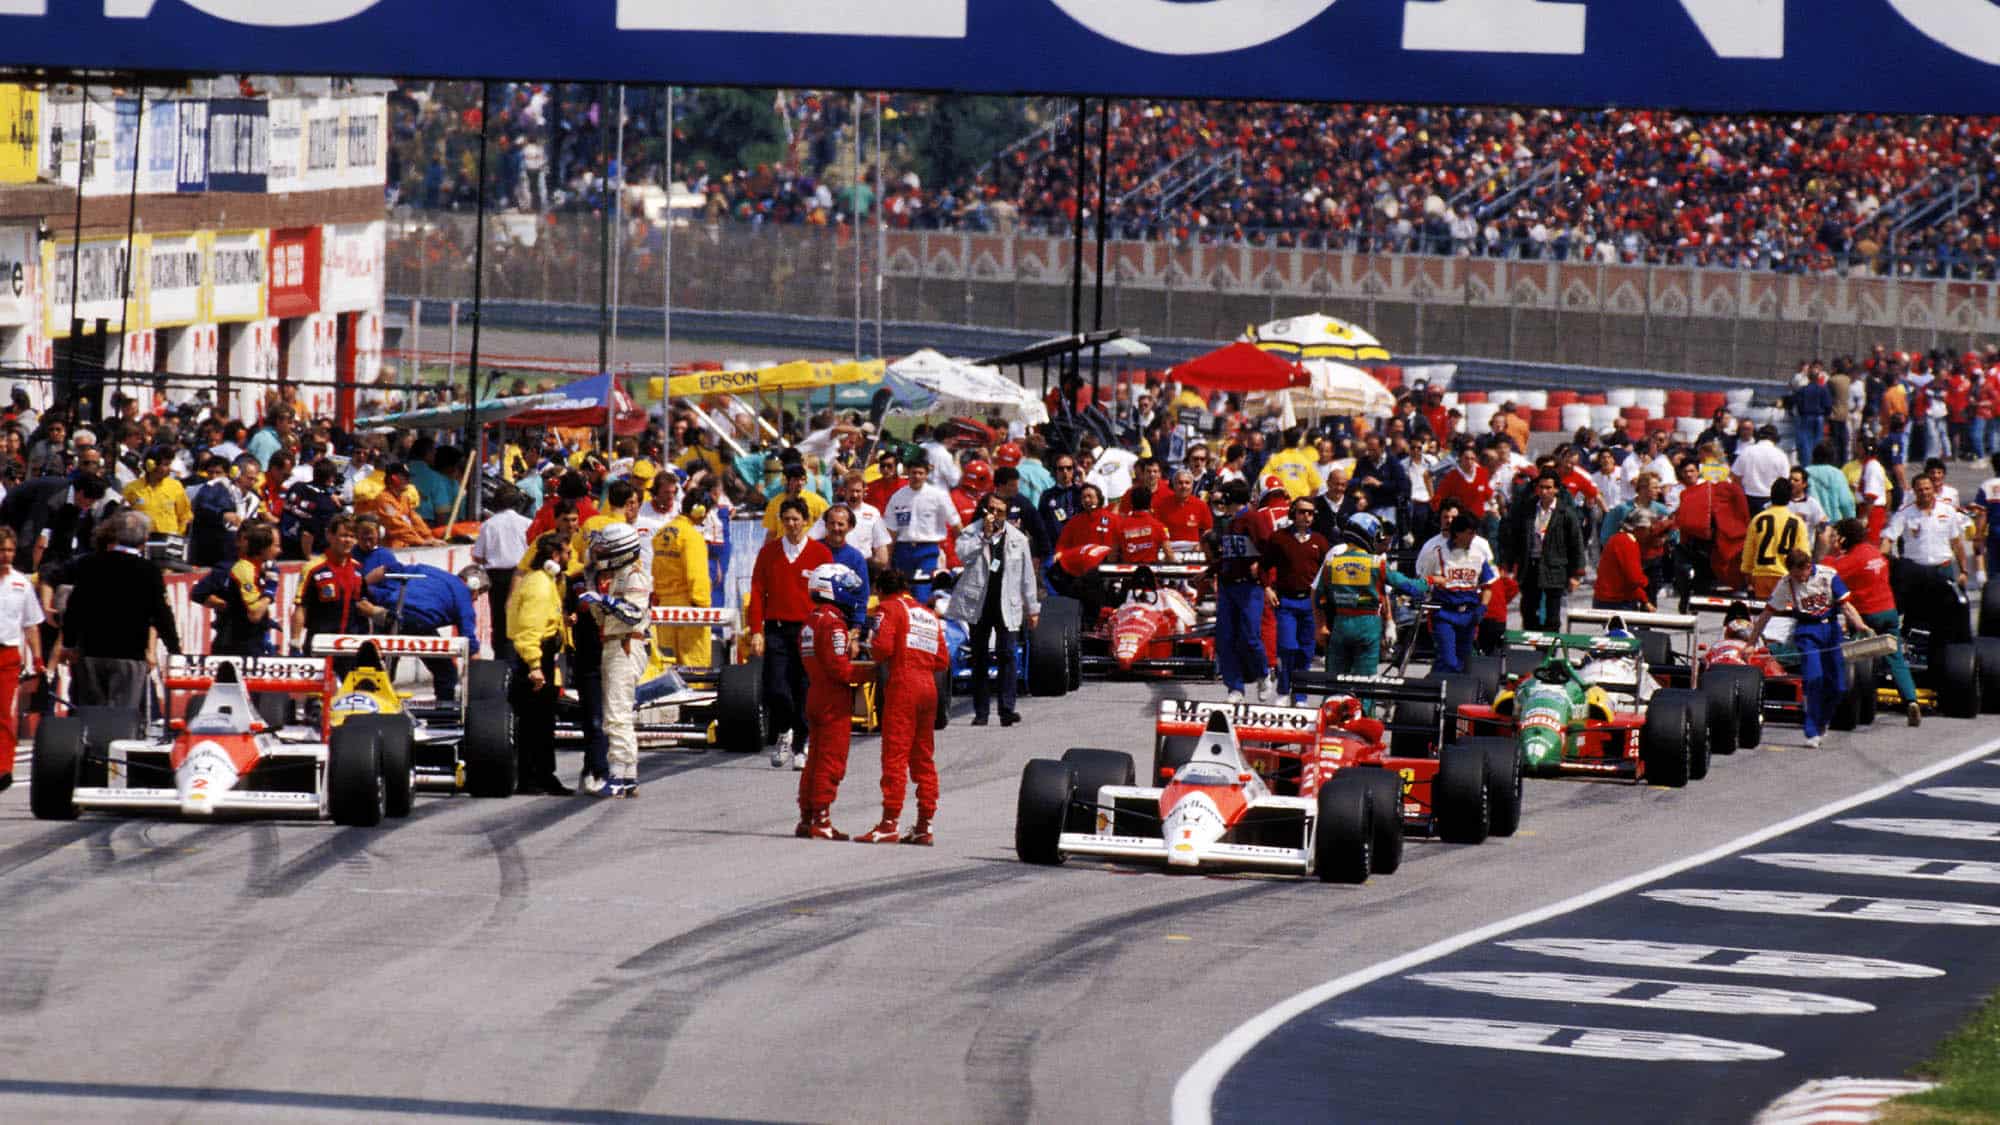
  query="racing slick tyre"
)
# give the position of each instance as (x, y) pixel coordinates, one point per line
(739, 707)
(1486, 674)
(1420, 740)
(1094, 769)
(1504, 773)
(1041, 810)
(1864, 692)
(488, 752)
(356, 793)
(393, 735)
(1847, 709)
(100, 726)
(1743, 687)
(1048, 653)
(1388, 812)
(58, 762)
(942, 718)
(486, 679)
(1344, 837)
(1696, 704)
(1988, 651)
(1666, 742)
(1719, 705)
(1989, 609)
(275, 708)
(1170, 753)
(1957, 674)
(1460, 796)
(1656, 647)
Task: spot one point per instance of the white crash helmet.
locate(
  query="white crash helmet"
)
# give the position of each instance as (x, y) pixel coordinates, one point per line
(475, 578)
(615, 545)
(828, 579)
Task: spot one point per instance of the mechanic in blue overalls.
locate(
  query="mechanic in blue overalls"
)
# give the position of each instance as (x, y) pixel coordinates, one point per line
(1457, 577)
(1239, 596)
(1816, 598)
(421, 606)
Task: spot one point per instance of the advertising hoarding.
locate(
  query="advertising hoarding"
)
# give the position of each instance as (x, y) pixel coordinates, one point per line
(288, 146)
(294, 273)
(239, 144)
(175, 281)
(351, 266)
(236, 272)
(20, 134)
(18, 261)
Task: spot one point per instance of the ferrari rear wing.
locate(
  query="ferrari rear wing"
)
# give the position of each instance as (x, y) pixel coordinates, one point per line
(390, 644)
(289, 675)
(1393, 689)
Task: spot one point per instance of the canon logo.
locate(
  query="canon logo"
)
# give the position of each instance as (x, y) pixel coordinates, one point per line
(256, 13)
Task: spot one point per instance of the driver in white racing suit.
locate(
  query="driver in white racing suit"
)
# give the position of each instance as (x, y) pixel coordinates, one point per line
(621, 600)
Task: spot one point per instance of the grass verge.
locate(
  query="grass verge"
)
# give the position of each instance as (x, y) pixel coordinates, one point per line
(1966, 1068)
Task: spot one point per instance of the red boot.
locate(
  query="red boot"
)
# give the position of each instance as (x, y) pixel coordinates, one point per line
(883, 833)
(921, 834)
(821, 826)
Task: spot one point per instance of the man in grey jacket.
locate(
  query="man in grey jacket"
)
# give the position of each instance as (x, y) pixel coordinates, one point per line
(995, 594)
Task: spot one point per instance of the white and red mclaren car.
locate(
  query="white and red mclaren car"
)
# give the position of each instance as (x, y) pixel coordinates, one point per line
(230, 756)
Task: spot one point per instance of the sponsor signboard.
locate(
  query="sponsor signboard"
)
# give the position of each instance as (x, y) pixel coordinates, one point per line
(20, 134)
(288, 146)
(100, 266)
(139, 350)
(236, 275)
(364, 135)
(159, 147)
(77, 145)
(174, 280)
(194, 350)
(17, 265)
(191, 153)
(294, 272)
(351, 267)
(324, 143)
(1693, 54)
(239, 144)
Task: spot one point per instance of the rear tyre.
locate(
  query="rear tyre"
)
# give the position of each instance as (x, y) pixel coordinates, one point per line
(1665, 743)
(1041, 810)
(58, 762)
(1522, 661)
(392, 733)
(488, 752)
(1460, 797)
(1989, 608)
(1415, 743)
(1987, 649)
(1170, 753)
(1387, 801)
(1744, 688)
(1656, 647)
(1696, 707)
(1864, 692)
(1720, 694)
(274, 708)
(1485, 674)
(942, 717)
(1048, 655)
(1344, 837)
(740, 722)
(1093, 770)
(487, 680)
(356, 793)
(1957, 671)
(1504, 782)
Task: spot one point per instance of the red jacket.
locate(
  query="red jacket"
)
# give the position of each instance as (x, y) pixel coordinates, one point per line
(823, 643)
(1186, 522)
(1620, 576)
(908, 640)
(545, 520)
(1085, 529)
(778, 584)
(1474, 495)
(1142, 538)
(1866, 573)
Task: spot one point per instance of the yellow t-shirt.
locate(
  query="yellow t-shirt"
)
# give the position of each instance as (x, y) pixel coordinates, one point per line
(816, 506)
(1774, 532)
(1299, 469)
(166, 504)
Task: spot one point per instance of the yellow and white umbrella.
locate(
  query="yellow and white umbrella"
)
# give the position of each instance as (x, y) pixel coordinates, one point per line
(1340, 389)
(1317, 336)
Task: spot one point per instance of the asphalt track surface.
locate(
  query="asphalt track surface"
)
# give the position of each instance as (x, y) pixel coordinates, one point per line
(683, 954)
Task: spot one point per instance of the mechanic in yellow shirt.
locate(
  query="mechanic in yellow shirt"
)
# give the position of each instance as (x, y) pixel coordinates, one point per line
(160, 496)
(1297, 465)
(1774, 533)
(795, 488)
(680, 578)
(536, 629)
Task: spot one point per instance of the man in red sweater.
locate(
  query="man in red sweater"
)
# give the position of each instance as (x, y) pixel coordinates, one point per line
(772, 617)
(1142, 538)
(1186, 515)
(1468, 482)
(907, 641)
(1866, 573)
(1293, 556)
(1621, 573)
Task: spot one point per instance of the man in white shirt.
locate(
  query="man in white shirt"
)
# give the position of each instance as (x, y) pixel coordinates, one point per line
(944, 466)
(1758, 464)
(663, 505)
(920, 516)
(1930, 539)
(870, 534)
(503, 539)
(20, 646)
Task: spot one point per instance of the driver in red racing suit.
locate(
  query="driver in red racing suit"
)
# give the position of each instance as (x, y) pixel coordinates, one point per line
(908, 643)
(829, 700)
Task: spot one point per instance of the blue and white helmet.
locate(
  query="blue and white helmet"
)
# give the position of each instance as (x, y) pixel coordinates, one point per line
(1616, 629)
(1364, 527)
(614, 545)
(828, 580)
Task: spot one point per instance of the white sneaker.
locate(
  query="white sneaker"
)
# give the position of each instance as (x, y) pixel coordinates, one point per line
(1265, 687)
(799, 760)
(1812, 743)
(781, 751)
(592, 784)
(1235, 697)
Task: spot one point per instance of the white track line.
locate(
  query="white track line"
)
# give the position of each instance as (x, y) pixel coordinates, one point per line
(1194, 1094)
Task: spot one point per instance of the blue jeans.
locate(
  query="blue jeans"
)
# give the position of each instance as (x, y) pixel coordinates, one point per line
(1239, 633)
(1811, 431)
(590, 702)
(1823, 670)
(1983, 432)
(912, 559)
(1295, 639)
(1453, 629)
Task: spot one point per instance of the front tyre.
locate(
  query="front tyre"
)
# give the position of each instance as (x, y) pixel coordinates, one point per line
(1344, 836)
(58, 762)
(1041, 810)
(357, 795)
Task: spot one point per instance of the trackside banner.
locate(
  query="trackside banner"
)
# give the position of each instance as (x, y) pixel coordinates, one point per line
(1891, 55)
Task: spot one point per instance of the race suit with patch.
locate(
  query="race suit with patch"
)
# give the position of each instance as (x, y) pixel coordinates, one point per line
(1351, 590)
(680, 578)
(620, 605)
(1458, 580)
(829, 706)
(908, 642)
(1815, 604)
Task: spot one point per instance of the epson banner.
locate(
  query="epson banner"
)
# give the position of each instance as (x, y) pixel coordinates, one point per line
(1907, 55)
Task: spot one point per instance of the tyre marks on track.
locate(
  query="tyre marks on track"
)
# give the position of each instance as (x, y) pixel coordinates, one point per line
(674, 978)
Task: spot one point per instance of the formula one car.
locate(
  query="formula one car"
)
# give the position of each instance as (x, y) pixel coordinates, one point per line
(1762, 681)
(716, 706)
(227, 758)
(1604, 717)
(1146, 628)
(465, 742)
(1319, 795)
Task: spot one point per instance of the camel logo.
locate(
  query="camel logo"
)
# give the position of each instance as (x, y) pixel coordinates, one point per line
(257, 13)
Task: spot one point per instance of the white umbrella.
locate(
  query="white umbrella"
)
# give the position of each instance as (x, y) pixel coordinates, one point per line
(927, 382)
(1318, 336)
(1340, 389)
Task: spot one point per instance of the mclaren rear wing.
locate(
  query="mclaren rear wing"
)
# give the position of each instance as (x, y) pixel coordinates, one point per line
(1251, 722)
(288, 675)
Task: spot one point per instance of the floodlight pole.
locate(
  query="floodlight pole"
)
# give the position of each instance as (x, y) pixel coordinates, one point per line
(131, 227)
(1074, 362)
(475, 435)
(1103, 225)
(667, 289)
(881, 227)
(68, 385)
(854, 224)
